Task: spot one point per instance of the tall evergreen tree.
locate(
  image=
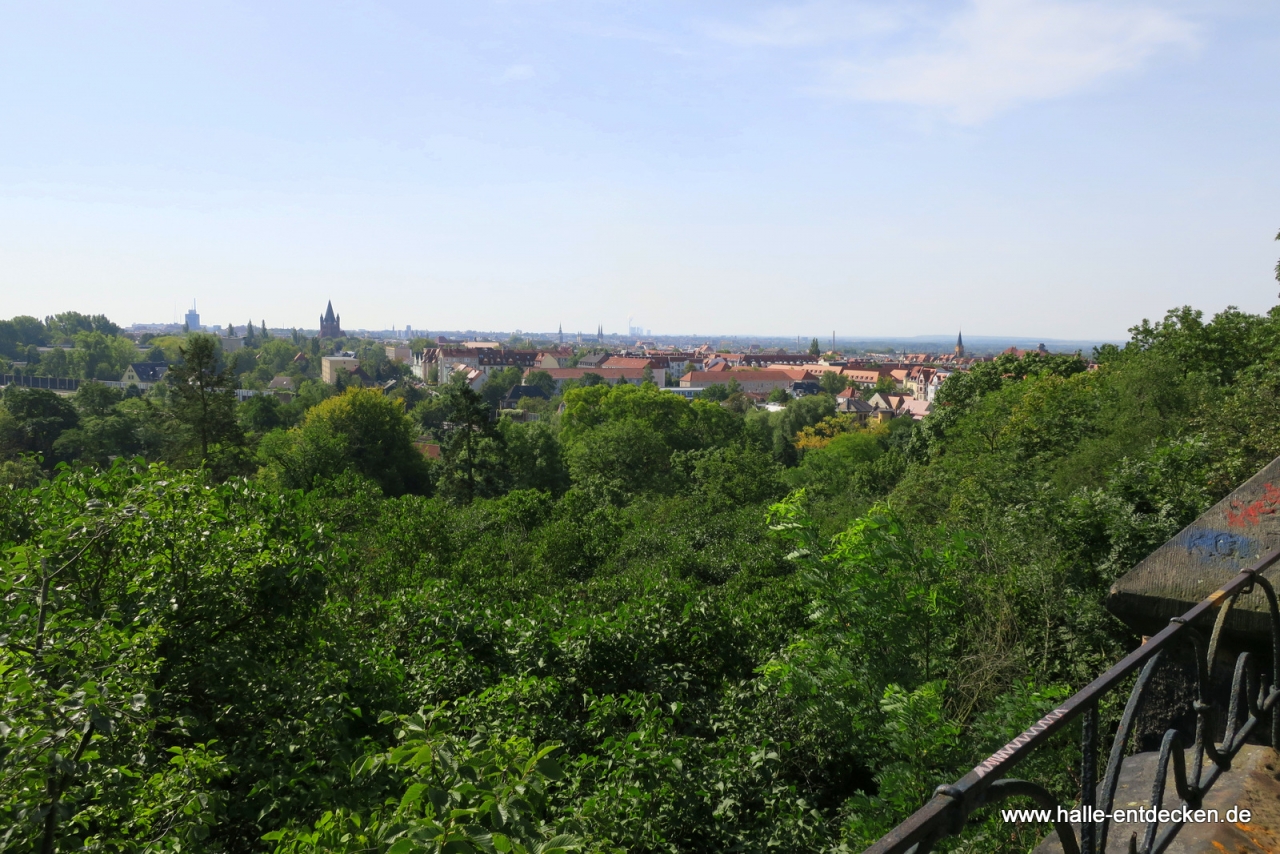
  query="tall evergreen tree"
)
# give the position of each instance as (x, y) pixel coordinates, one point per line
(202, 397)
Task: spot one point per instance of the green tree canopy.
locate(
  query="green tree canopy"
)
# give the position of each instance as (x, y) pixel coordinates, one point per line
(65, 326)
(358, 431)
(40, 417)
(543, 381)
(499, 384)
(833, 382)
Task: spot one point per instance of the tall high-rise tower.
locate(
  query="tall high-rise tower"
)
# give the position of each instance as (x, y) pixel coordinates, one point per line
(193, 319)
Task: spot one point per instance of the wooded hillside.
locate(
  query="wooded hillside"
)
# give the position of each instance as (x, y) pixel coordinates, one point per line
(645, 624)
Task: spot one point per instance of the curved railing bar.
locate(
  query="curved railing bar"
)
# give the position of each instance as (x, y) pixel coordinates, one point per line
(1170, 748)
(1218, 624)
(1204, 724)
(1274, 609)
(1044, 799)
(948, 810)
(1201, 703)
(1112, 776)
(1239, 689)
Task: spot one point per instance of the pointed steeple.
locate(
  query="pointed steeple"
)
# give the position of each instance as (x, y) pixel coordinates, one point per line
(960, 343)
(330, 323)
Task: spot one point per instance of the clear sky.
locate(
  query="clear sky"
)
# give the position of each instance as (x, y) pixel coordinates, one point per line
(1023, 167)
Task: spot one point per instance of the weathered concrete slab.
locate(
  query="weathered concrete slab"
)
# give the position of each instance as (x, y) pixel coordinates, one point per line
(1235, 532)
(1253, 784)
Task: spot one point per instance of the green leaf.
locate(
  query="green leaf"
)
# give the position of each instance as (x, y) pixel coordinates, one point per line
(413, 795)
(550, 768)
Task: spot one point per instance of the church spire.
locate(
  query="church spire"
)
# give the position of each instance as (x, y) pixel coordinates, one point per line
(330, 323)
(959, 344)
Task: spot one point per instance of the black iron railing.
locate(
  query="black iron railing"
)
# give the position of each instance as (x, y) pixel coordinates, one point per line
(947, 813)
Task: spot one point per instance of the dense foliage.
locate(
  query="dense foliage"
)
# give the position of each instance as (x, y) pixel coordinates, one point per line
(639, 624)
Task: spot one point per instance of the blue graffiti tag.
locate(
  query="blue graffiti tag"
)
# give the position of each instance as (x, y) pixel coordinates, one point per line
(1211, 543)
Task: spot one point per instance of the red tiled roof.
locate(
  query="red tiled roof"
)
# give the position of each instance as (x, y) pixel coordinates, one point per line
(579, 373)
(796, 374)
(627, 362)
(764, 375)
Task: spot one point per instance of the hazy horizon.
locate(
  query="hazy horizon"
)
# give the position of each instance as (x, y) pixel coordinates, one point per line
(943, 340)
(1060, 166)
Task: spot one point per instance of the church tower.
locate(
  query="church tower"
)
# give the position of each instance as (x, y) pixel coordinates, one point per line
(330, 323)
(960, 345)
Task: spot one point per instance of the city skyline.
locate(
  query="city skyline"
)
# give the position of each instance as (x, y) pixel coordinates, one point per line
(193, 319)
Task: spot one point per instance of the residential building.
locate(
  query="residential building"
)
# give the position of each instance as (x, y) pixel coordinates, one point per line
(900, 404)
(331, 365)
(475, 376)
(674, 363)
(399, 353)
(522, 392)
(847, 401)
(863, 378)
(916, 382)
(144, 373)
(487, 360)
(935, 383)
(917, 409)
(610, 377)
(885, 401)
(763, 381)
(283, 388)
(638, 363)
(686, 393)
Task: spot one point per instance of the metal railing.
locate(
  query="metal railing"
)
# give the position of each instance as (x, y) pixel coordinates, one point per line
(947, 813)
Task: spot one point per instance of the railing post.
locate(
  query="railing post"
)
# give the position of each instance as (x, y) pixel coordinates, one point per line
(1088, 778)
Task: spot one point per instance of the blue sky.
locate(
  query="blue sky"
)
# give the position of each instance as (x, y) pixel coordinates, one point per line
(1023, 167)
